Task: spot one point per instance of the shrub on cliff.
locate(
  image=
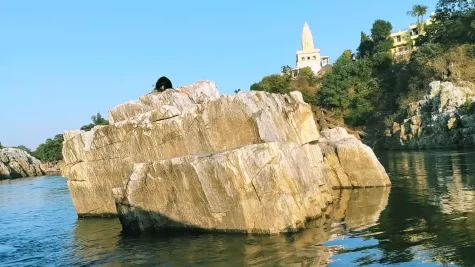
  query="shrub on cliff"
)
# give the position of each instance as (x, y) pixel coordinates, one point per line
(305, 82)
(96, 120)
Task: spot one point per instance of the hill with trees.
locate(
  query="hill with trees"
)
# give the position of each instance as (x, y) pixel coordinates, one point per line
(370, 84)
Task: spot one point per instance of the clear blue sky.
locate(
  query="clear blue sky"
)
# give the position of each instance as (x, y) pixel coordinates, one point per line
(63, 61)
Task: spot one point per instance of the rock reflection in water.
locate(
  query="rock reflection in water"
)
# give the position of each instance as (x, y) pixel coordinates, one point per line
(430, 212)
(99, 241)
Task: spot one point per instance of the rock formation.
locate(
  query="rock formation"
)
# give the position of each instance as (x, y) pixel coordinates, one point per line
(252, 162)
(444, 118)
(17, 163)
(52, 168)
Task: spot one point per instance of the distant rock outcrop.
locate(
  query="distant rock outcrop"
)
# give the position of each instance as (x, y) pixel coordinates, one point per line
(444, 118)
(252, 162)
(52, 168)
(17, 163)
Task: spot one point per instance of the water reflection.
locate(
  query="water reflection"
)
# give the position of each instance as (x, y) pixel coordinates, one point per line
(430, 212)
(100, 242)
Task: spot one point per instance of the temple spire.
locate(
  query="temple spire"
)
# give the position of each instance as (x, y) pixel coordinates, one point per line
(307, 38)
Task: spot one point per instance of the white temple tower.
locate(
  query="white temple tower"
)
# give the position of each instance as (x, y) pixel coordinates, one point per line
(309, 56)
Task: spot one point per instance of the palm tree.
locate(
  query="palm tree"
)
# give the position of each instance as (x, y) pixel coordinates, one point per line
(418, 11)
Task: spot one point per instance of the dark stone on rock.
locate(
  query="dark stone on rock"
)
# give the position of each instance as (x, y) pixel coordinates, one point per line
(163, 83)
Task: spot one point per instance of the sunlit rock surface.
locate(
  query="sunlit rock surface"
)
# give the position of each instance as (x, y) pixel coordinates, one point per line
(192, 158)
(17, 163)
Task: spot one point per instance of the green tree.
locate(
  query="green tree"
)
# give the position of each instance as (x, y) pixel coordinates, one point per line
(1, 146)
(333, 94)
(379, 41)
(380, 31)
(366, 46)
(454, 24)
(51, 150)
(306, 82)
(308, 75)
(96, 120)
(285, 68)
(237, 90)
(418, 11)
(380, 35)
(350, 89)
(273, 84)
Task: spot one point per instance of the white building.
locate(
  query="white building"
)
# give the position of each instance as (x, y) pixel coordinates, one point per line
(308, 56)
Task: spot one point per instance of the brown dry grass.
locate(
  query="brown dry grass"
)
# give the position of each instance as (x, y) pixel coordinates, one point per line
(457, 65)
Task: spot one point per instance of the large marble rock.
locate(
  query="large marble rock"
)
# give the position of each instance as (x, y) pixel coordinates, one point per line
(100, 159)
(262, 188)
(17, 163)
(350, 163)
(192, 158)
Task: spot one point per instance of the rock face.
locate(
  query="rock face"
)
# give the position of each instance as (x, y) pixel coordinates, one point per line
(192, 158)
(16, 163)
(52, 168)
(444, 118)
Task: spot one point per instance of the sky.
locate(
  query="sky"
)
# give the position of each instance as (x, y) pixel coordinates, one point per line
(63, 61)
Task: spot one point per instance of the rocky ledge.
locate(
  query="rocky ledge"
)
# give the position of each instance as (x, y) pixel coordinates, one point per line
(17, 163)
(253, 162)
(444, 118)
(52, 168)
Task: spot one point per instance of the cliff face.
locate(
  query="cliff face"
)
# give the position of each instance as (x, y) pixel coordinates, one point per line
(250, 162)
(444, 118)
(16, 163)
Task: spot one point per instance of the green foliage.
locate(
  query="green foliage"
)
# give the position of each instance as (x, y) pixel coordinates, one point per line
(279, 84)
(350, 89)
(467, 107)
(51, 150)
(366, 46)
(335, 85)
(375, 82)
(380, 31)
(308, 75)
(1, 146)
(418, 11)
(96, 120)
(454, 23)
(353, 89)
(286, 68)
(305, 82)
(237, 90)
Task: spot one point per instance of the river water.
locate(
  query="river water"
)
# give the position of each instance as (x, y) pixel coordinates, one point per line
(426, 217)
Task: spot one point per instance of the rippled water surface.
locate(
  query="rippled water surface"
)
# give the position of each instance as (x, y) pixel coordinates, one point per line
(426, 218)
